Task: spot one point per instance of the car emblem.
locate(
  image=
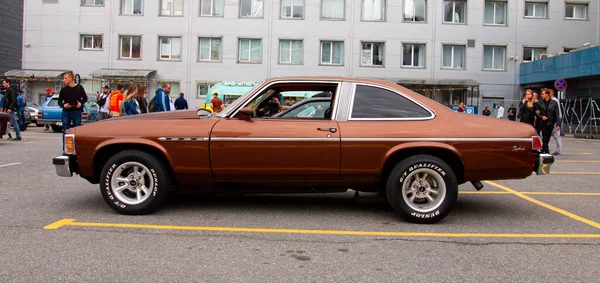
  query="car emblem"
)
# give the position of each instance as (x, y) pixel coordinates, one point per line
(518, 148)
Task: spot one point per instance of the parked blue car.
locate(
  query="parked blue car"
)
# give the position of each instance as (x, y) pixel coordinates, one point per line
(51, 114)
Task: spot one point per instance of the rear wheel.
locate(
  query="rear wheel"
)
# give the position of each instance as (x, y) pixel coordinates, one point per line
(422, 189)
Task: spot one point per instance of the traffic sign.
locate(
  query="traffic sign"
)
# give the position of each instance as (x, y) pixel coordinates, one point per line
(560, 84)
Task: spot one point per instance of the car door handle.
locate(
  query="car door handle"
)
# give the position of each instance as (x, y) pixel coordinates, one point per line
(332, 130)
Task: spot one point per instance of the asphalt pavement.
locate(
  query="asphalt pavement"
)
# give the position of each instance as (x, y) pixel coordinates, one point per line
(541, 229)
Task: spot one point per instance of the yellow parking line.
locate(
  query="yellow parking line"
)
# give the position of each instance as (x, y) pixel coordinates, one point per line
(533, 193)
(577, 161)
(577, 153)
(71, 222)
(575, 173)
(543, 204)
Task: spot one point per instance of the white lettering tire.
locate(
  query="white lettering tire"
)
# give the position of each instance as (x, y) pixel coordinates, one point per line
(134, 182)
(422, 189)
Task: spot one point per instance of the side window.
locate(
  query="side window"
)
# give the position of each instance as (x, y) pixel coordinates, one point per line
(377, 103)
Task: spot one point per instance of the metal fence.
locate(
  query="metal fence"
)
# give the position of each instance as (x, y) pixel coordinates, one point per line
(581, 115)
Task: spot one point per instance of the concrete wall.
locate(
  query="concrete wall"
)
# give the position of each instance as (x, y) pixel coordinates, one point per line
(11, 35)
(53, 31)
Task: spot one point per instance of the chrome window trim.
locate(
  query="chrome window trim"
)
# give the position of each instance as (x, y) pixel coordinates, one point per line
(196, 139)
(436, 139)
(331, 139)
(261, 89)
(344, 99)
(388, 119)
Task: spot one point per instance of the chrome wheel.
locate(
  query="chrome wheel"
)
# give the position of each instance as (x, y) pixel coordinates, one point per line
(132, 183)
(424, 190)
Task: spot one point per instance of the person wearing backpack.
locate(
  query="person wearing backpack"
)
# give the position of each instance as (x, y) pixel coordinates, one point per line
(102, 100)
(115, 101)
(10, 106)
(22, 103)
(162, 101)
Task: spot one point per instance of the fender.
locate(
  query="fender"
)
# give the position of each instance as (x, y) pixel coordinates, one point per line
(420, 145)
(141, 141)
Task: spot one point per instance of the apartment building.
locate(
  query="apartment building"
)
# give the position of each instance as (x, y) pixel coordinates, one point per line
(448, 50)
(11, 36)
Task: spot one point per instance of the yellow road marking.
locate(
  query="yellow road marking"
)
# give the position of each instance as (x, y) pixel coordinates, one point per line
(575, 173)
(577, 161)
(532, 193)
(71, 222)
(577, 153)
(543, 204)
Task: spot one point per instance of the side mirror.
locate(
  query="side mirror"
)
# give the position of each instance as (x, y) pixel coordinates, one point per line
(246, 113)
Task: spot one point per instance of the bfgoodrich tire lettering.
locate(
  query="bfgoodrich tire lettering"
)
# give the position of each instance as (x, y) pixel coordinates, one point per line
(422, 189)
(134, 182)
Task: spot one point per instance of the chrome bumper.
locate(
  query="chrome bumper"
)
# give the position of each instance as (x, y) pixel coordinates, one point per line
(543, 163)
(62, 164)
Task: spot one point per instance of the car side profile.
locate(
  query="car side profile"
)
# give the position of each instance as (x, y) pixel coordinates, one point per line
(368, 135)
(50, 113)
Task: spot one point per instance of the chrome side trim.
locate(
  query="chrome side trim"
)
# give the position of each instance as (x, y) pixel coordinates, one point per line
(182, 139)
(436, 139)
(332, 139)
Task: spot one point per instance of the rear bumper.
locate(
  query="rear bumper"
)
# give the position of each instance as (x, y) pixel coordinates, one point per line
(543, 163)
(65, 165)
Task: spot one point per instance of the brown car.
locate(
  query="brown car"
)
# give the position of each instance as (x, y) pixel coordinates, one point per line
(367, 135)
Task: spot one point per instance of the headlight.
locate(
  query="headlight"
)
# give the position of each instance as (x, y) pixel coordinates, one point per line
(70, 144)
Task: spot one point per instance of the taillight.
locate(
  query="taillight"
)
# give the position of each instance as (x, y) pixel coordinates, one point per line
(40, 115)
(536, 143)
(84, 115)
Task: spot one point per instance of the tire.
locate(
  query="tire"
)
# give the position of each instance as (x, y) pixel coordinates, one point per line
(56, 129)
(412, 200)
(133, 199)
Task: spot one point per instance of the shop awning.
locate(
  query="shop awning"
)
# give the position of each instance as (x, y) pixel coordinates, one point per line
(33, 74)
(122, 73)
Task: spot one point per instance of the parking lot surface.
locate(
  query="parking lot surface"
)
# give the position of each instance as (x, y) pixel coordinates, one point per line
(543, 228)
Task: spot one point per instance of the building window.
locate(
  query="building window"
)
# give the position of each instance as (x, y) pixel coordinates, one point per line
(373, 10)
(212, 8)
(453, 57)
(535, 10)
(415, 10)
(332, 9)
(532, 53)
(292, 9)
(455, 11)
(92, 3)
(131, 47)
(210, 49)
(332, 52)
(413, 55)
(290, 51)
(132, 7)
(371, 54)
(251, 8)
(250, 50)
(171, 7)
(576, 12)
(91, 42)
(454, 96)
(494, 57)
(203, 89)
(495, 13)
(170, 48)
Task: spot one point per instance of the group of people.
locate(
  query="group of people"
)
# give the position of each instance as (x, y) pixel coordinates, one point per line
(512, 112)
(12, 103)
(545, 116)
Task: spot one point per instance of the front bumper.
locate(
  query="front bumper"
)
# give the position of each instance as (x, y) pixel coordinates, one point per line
(543, 162)
(65, 165)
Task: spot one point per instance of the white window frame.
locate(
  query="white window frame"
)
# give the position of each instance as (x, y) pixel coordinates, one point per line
(464, 58)
(82, 39)
(331, 63)
(533, 48)
(414, 14)
(412, 57)
(281, 13)
(212, 6)
(333, 5)
(536, 4)
(575, 5)
(132, 3)
(373, 44)
(383, 12)
(249, 61)
(496, 2)
(289, 61)
(160, 45)
(160, 10)
(121, 36)
(262, 10)
(210, 49)
(454, 2)
(94, 3)
(494, 57)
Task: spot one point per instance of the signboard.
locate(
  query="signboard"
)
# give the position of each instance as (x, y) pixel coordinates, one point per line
(560, 84)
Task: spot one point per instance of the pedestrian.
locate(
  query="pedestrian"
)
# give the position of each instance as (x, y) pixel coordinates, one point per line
(49, 95)
(116, 101)
(216, 103)
(486, 111)
(21, 104)
(548, 117)
(500, 111)
(556, 129)
(103, 101)
(527, 108)
(512, 113)
(461, 108)
(536, 106)
(71, 99)
(162, 101)
(181, 103)
(141, 99)
(10, 107)
(130, 104)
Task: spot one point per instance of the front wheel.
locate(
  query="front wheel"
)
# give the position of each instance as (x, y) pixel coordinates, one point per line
(134, 182)
(422, 189)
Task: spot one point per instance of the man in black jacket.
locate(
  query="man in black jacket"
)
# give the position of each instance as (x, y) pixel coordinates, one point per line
(10, 107)
(548, 115)
(71, 99)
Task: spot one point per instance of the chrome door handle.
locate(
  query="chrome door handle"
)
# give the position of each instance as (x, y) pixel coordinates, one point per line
(332, 130)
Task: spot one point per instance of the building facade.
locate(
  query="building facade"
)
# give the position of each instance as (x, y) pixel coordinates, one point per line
(451, 51)
(11, 35)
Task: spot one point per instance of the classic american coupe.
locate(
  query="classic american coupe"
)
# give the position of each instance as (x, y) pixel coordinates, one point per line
(367, 135)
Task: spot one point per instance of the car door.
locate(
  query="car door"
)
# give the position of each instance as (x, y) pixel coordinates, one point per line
(279, 150)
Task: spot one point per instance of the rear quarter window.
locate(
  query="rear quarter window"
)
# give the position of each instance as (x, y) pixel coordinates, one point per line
(377, 103)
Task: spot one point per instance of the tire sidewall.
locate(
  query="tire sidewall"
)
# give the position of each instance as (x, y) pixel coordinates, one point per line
(398, 178)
